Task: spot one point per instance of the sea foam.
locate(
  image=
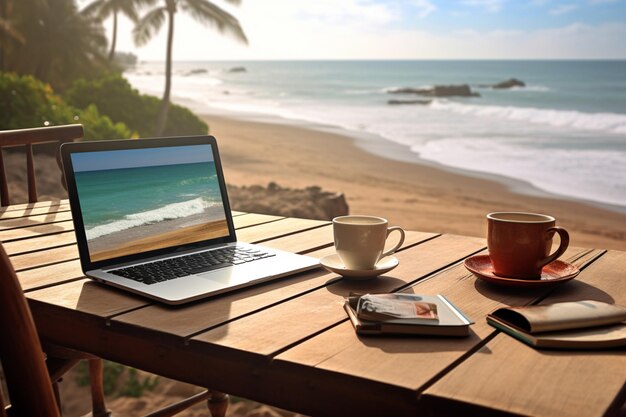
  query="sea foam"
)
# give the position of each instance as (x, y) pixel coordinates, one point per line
(607, 122)
(168, 212)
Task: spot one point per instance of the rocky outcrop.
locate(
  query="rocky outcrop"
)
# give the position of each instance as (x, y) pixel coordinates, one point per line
(461, 90)
(506, 84)
(237, 69)
(309, 203)
(401, 102)
(510, 83)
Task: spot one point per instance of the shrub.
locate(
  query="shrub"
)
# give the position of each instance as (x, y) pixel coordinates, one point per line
(27, 102)
(114, 96)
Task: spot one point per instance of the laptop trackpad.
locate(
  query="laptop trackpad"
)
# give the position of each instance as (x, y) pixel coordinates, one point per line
(224, 276)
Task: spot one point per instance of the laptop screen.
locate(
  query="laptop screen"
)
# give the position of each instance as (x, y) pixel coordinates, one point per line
(139, 200)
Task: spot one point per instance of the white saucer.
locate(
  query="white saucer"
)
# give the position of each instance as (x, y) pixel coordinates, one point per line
(334, 264)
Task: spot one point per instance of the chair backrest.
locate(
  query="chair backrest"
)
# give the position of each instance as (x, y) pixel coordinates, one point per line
(28, 137)
(30, 389)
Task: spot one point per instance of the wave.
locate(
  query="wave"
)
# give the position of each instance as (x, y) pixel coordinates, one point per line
(533, 88)
(608, 122)
(168, 212)
(590, 174)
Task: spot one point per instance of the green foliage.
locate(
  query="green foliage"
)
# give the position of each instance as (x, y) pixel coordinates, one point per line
(135, 387)
(114, 96)
(118, 380)
(98, 126)
(27, 102)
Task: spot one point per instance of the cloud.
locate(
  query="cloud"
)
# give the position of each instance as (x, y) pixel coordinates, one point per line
(563, 9)
(424, 7)
(492, 6)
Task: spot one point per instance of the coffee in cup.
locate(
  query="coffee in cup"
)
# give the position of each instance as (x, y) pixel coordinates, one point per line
(360, 240)
(519, 243)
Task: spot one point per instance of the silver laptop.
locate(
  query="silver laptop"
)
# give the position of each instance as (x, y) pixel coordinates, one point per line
(152, 217)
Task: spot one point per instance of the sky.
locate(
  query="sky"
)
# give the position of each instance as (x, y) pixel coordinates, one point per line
(135, 158)
(399, 29)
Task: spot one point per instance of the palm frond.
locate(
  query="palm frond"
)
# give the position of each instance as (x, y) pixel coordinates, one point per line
(149, 25)
(100, 9)
(129, 10)
(93, 8)
(208, 13)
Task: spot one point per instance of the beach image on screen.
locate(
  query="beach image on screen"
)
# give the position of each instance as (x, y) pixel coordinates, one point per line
(139, 200)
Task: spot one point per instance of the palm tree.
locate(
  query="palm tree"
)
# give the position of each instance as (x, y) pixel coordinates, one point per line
(102, 9)
(202, 10)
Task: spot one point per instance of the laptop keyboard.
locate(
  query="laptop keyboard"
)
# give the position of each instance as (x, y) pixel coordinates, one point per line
(172, 268)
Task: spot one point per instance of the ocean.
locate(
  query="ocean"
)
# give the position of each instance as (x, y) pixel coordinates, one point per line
(563, 134)
(120, 199)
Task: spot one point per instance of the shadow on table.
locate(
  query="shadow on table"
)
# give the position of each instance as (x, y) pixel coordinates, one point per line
(383, 284)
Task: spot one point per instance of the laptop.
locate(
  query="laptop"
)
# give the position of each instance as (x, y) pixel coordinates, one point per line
(152, 217)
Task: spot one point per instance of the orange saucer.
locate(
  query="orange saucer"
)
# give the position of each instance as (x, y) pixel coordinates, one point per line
(554, 273)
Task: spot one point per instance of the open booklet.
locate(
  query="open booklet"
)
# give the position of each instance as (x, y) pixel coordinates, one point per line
(570, 325)
(406, 314)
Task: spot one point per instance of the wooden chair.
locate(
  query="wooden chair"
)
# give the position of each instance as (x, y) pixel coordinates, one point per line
(23, 360)
(27, 138)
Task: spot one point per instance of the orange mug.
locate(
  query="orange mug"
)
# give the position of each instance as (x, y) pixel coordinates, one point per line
(519, 243)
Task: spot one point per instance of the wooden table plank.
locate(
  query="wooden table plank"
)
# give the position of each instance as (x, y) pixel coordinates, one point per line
(26, 206)
(280, 228)
(39, 243)
(307, 242)
(510, 377)
(14, 214)
(44, 258)
(34, 231)
(35, 220)
(385, 360)
(55, 274)
(250, 219)
(185, 321)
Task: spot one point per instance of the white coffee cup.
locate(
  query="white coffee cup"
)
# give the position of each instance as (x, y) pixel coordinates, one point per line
(360, 240)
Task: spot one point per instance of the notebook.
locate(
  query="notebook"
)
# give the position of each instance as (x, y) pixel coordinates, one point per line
(586, 324)
(152, 217)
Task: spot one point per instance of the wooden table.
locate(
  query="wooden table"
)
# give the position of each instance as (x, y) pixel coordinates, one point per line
(288, 343)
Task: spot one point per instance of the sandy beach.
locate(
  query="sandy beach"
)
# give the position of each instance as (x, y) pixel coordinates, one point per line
(416, 197)
(122, 243)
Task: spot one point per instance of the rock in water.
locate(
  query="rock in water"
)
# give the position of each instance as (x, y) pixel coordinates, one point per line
(237, 69)
(462, 90)
(510, 83)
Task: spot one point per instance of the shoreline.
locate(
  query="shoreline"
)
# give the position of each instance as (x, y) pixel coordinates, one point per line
(380, 146)
(427, 197)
